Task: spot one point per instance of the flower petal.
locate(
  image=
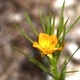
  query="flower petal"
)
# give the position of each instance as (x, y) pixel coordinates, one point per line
(54, 40)
(44, 40)
(36, 45)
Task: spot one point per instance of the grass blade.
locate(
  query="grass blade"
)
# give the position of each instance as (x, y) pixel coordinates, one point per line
(61, 21)
(31, 25)
(52, 25)
(71, 71)
(69, 60)
(40, 65)
(24, 34)
(42, 22)
(78, 19)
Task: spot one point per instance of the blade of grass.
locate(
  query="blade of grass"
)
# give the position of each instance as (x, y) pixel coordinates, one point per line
(61, 21)
(65, 64)
(73, 24)
(69, 60)
(47, 23)
(66, 22)
(31, 25)
(64, 26)
(71, 71)
(23, 33)
(52, 25)
(68, 72)
(62, 42)
(60, 27)
(40, 65)
(42, 22)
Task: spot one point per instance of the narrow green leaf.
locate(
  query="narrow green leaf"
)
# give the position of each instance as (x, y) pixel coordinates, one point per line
(61, 21)
(66, 22)
(62, 42)
(52, 25)
(64, 30)
(65, 64)
(61, 26)
(47, 23)
(69, 60)
(24, 34)
(72, 55)
(64, 73)
(33, 60)
(31, 25)
(71, 26)
(42, 22)
(71, 71)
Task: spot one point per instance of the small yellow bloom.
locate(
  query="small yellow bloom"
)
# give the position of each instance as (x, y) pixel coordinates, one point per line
(47, 43)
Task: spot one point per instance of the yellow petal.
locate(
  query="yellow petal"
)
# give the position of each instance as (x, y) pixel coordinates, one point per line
(44, 40)
(54, 39)
(36, 45)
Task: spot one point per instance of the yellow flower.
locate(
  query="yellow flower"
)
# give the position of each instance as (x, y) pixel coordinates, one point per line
(47, 43)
